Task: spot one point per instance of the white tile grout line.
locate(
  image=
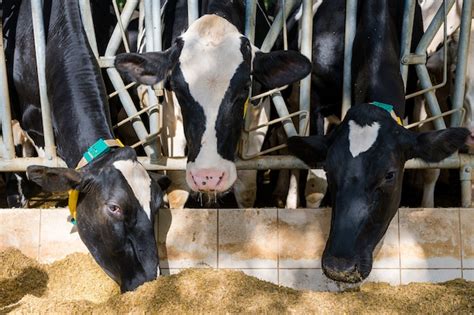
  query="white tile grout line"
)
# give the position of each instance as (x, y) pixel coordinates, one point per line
(461, 243)
(217, 238)
(399, 248)
(278, 246)
(39, 235)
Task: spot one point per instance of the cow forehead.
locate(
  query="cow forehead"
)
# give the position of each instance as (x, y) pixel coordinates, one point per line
(209, 59)
(138, 180)
(362, 138)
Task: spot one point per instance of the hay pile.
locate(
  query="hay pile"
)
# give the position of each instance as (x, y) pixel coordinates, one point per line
(76, 284)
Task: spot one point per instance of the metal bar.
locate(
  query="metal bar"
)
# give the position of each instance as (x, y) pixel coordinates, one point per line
(420, 59)
(349, 35)
(424, 121)
(306, 50)
(88, 23)
(130, 108)
(407, 33)
(461, 65)
(455, 161)
(40, 51)
(149, 40)
(466, 186)
(123, 122)
(5, 109)
(431, 99)
(282, 111)
(121, 27)
(250, 13)
(193, 11)
(432, 29)
(277, 120)
(116, 38)
(277, 26)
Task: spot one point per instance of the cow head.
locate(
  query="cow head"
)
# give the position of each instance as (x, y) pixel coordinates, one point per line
(209, 69)
(364, 161)
(115, 212)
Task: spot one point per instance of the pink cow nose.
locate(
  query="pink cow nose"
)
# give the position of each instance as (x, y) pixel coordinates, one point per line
(208, 179)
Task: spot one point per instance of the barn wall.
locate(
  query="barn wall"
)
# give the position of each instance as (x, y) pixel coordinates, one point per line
(278, 245)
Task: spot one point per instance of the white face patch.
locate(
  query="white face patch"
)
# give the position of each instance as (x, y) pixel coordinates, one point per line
(139, 180)
(362, 138)
(209, 59)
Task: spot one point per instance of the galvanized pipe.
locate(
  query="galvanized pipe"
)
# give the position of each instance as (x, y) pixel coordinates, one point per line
(5, 109)
(193, 11)
(277, 26)
(250, 13)
(116, 38)
(433, 105)
(87, 22)
(260, 163)
(466, 185)
(407, 34)
(282, 111)
(349, 35)
(40, 51)
(461, 65)
(130, 109)
(306, 50)
(149, 37)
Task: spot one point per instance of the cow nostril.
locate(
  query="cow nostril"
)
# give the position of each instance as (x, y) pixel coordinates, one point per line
(204, 183)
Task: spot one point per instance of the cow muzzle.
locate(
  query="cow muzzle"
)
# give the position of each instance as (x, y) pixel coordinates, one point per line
(208, 180)
(344, 269)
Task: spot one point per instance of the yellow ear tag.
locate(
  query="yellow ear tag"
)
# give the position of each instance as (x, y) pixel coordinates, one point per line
(72, 204)
(246, 106)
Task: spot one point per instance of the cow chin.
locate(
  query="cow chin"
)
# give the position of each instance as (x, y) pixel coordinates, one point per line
(211, 177)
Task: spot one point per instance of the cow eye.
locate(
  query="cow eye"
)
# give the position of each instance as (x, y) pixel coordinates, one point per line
(389, 176)
(114, 210)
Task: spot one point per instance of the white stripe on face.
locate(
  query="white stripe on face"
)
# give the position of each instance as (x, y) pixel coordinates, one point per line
(209, 59)
(139, 180)
(362, 138)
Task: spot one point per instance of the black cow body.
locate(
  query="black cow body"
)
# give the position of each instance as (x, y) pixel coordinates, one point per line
(117, 198)
(365, 155)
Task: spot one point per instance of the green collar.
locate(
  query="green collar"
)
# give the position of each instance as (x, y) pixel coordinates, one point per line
(388, 108)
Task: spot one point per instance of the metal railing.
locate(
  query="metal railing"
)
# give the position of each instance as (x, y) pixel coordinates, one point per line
(150, 16)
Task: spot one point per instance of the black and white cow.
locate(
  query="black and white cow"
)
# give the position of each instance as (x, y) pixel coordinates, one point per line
(117, 198)
(209, 68)
(365, 155)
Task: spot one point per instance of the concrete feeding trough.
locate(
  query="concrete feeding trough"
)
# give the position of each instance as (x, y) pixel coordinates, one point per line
(283, 246)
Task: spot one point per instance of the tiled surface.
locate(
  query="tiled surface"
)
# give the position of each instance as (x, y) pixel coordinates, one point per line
(20, 228)
(429, 275)
(467, 232)
(57, 237)
(187, 238)
(270, 275)
(302, 235)
(430, 238)
(387, 252)
(248, 238)
(310, 279)
(281, 246)
(468, 274)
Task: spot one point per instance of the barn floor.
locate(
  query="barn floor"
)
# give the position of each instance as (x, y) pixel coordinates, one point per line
(76, 284)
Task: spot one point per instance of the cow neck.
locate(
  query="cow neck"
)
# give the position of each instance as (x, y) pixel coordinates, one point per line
(377, 55)
(76, 90)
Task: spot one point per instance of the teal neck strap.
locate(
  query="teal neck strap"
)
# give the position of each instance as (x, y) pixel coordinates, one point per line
(384, 106)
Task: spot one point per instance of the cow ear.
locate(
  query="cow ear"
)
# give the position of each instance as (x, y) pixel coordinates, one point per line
(148, 68)
(163, 181)
(279, 68)
(435, 146)
(54, 179)
(311, 150)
